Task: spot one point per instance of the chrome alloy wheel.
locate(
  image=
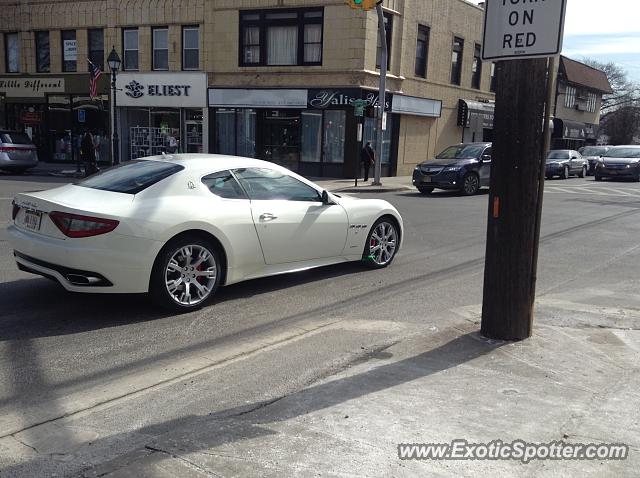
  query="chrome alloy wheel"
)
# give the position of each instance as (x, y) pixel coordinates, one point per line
(471, 184)
(383, 243)
(191, 274)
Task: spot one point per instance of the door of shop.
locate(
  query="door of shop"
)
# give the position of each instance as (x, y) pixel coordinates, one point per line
(281, 138)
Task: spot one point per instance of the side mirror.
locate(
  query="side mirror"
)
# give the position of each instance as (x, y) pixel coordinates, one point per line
(325, 198)
(485, 157)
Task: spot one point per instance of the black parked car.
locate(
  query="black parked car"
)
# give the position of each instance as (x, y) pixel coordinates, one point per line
(465, 167)
(620, 162)
(564, 163)
(593, 154)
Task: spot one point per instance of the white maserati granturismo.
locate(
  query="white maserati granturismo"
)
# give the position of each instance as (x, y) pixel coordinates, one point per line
(179, 226)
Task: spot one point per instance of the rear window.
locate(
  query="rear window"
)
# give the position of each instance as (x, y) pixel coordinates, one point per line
(131, 177)
(593, 151)
(15, 138)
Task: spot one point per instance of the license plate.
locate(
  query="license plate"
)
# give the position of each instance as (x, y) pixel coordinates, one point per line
(426, 179)
(32, 220)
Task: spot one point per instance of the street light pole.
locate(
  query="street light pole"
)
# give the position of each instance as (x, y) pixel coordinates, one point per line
(114, 63)
(382, 95)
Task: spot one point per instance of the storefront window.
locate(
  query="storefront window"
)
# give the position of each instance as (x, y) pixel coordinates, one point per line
(193, 131)
(282, 138)
(61, 134)
(225, 131)
(370, 135)
(246, 133)
(311, 136)
(334, 134)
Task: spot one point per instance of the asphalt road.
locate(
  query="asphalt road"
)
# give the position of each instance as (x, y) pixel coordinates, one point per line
(86, 378)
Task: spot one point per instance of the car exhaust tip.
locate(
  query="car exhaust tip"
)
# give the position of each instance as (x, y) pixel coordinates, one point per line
(78, 279)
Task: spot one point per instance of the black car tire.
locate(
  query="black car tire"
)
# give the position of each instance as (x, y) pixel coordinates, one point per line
(565, 173)
(470, 184)
(583, 172)
(158, 288)
(425, 190)
(598, 177)
(549, 176)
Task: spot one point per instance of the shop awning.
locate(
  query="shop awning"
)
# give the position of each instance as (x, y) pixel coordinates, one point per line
(476, 112)
(254, 98)
(568, 129)
(410, 105)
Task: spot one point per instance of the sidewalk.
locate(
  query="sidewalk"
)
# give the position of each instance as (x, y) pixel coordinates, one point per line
(392, 184)
(572, 385)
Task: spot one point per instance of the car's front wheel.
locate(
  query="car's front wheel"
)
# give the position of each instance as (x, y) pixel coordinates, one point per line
(565, 173)
(583, 172)
(186, 273)
(470, 184)
(382, 243)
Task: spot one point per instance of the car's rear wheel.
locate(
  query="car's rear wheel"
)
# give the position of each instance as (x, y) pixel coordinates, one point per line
(470, 184)
(583, 172)
(598, 177)
(565, 173)
(382, 243)
(549, 176)
(186, 273)
(425, 190)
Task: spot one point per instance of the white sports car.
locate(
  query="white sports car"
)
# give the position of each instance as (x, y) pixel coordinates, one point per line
(179, 226)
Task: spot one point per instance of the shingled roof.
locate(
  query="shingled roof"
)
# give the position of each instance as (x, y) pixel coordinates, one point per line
(584, 75)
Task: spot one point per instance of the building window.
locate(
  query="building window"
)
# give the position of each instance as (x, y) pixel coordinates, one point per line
(388, 28)
(570, 97)
(160, 37)
(43, 59)
(592, 100)
(476, 68)
(456, 60)
(190, 48)
(422, 51)
(281, 37)
(492, 83)
(96, 47)
(130, 42)
(69, 50)
(12, 52)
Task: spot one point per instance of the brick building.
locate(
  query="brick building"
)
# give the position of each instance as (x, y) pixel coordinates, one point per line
(274, 79)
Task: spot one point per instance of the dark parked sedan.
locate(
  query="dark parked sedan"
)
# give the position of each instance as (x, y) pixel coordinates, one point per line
(464, 167)
(565, 162)
(620, 162)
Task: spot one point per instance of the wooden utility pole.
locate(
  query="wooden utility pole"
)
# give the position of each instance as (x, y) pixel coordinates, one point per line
(507, 307)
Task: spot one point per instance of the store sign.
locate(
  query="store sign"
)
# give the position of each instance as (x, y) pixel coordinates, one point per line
(30, 87)
(257, 98)
(162, 89)
(70, 50)
(336, 98)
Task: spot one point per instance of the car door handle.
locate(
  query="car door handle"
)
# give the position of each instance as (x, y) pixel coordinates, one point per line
(267, 216)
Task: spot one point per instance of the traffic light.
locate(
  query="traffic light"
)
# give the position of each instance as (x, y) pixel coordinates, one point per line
(363, 4)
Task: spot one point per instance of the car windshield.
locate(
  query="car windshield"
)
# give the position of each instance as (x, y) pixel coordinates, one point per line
(593, 151)
(131, 177)
(462, 151)
(623, 153)
(14, 137)
(554, 155)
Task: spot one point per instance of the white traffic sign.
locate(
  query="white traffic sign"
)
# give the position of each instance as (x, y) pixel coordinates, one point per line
(522, 28)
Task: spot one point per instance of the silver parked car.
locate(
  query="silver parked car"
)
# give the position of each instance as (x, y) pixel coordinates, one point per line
(593, 155)
(565, 162)
(17, 151)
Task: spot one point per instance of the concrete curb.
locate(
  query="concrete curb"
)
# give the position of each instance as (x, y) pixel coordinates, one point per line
(372, 189)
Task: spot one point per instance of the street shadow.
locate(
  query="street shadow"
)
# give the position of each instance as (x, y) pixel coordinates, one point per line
(193, 434)
(25, 178)
(39, 307)
(443, 193)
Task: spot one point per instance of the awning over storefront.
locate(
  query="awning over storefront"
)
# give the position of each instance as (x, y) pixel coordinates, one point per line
(410, 105)
(475, 113)
(255, 98)
(567, 129)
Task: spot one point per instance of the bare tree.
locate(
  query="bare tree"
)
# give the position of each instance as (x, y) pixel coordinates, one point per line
(625, 92)
(622, 124)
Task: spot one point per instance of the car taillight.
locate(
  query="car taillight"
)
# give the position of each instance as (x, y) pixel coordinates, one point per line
(15, 211)
(75, 225)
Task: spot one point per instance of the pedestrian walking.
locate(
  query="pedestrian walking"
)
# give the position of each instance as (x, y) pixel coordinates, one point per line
(368, 159)
(88, 153)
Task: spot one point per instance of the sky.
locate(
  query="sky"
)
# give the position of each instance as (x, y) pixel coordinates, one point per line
(604, 31)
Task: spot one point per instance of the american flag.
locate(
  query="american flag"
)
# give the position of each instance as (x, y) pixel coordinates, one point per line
(93, 81)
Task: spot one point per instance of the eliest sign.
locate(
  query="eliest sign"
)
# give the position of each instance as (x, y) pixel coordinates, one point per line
(522, 28)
